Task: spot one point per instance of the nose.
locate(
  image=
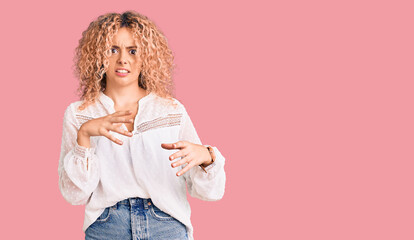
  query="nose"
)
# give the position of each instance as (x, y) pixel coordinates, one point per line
(122, 58)
(121, 61)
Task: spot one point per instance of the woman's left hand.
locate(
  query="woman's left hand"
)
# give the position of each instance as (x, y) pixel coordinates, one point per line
(193, 154)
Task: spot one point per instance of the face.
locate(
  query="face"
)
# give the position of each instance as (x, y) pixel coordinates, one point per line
(124, 55)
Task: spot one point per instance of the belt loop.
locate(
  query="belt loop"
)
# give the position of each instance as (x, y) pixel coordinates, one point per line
(145, 203)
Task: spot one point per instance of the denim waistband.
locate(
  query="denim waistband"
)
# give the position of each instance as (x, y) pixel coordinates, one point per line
(140, 203)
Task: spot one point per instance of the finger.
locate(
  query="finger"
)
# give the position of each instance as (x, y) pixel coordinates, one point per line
(116, 124)
(180, 144)
(186, 168)
(112, 138)
(121, 120)
(176, 145)
(120, 130)
(181, 153)
(181, 162)
(168, 146)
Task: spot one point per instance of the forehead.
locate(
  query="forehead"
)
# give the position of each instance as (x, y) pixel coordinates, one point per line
(123, 38)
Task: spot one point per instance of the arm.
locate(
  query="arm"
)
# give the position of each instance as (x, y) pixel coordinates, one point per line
(206, 185)
(78, 169)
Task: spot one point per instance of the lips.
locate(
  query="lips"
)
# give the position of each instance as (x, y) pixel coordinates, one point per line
(124, 70)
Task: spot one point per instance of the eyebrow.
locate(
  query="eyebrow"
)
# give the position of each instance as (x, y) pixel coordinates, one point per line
(115, 46)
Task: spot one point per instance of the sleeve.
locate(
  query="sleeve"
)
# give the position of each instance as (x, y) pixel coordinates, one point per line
(78, 177)
(206, 185)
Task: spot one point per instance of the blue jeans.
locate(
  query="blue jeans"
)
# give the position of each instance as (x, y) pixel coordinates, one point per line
(135, 218)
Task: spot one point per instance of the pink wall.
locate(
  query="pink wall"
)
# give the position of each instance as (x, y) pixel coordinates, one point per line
(312, 106)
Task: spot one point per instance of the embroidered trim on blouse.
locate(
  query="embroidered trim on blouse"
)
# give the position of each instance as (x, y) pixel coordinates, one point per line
(83, 118)
(172, 119)
(80, 151)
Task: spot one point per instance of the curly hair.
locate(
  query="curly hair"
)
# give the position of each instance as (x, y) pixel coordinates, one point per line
(91, 56)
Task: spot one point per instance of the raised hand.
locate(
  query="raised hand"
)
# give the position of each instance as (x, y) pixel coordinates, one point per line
(101, 126)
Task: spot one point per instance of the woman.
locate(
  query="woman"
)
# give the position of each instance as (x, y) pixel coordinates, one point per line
(129, 148)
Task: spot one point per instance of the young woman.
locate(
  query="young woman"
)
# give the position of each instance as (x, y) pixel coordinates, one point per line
(129, 148)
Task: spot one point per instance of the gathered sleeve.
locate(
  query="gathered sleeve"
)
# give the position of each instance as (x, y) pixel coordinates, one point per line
(78, 168)
(208, 185)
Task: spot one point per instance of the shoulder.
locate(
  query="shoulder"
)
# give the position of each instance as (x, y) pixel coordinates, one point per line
(73, 108)
(158, 109)
(71, 111)
(95, 109)
(74, 114)
(167, 105)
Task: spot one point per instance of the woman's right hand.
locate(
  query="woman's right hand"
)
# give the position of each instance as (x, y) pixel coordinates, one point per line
(112, 122)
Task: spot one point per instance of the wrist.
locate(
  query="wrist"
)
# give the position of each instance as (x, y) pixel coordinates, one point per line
(205, 164)
(83, 139)
(82, 132)
(211, 158)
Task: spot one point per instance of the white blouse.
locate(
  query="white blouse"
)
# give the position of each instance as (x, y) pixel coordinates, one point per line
(139, 167)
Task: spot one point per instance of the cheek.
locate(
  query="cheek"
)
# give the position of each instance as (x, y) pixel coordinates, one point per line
(138, 64)
(112, 63)
(137, 59)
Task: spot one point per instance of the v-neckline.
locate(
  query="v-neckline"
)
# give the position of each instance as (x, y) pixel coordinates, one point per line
(110, 103)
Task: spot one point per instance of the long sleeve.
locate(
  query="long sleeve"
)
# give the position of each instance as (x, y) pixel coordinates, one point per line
(209, 185)
(77, 177)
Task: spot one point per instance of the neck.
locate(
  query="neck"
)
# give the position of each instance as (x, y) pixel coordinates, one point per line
(125, 96)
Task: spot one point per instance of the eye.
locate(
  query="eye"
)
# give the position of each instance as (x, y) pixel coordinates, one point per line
(133, 51)
(112, 50)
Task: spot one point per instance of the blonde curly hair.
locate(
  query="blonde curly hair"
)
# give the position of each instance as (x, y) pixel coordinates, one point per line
(91, 56)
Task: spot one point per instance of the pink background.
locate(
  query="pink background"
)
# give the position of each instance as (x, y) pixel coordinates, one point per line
(309, 101)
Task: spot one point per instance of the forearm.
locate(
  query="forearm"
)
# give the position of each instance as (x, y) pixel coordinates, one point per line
(84, 140)
(208, 185)
(77, 181)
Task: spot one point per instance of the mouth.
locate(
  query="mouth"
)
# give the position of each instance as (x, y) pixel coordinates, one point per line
(122, 72)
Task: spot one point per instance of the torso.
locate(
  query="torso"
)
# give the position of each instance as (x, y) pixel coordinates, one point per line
(134, 110)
